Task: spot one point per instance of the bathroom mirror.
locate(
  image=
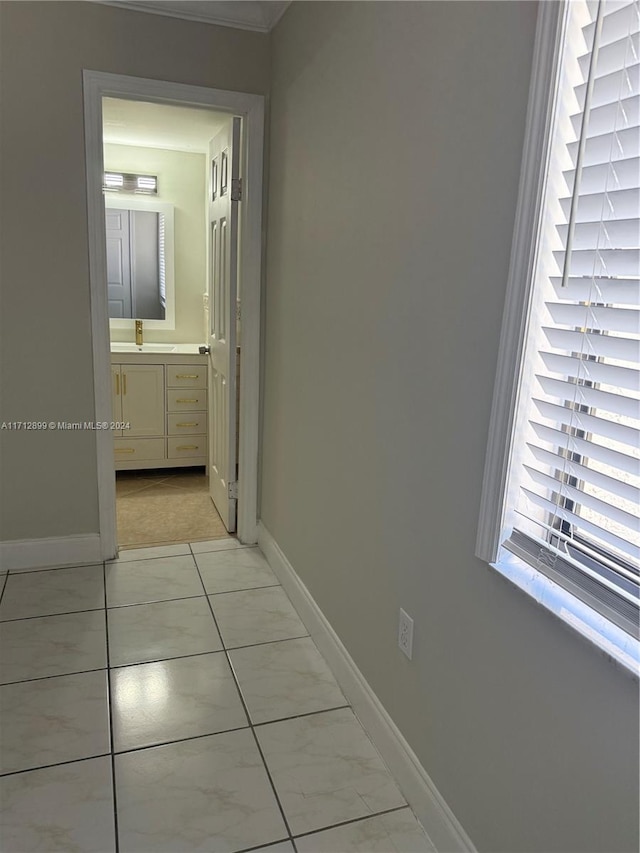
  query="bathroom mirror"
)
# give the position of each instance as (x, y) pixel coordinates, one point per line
(140, 268)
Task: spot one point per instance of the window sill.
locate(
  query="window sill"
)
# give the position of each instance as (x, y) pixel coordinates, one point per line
(600, 632)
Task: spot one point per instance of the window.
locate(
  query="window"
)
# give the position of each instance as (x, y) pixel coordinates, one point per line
(560, 508)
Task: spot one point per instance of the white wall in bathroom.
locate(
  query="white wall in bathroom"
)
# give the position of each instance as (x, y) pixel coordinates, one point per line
(181, 182)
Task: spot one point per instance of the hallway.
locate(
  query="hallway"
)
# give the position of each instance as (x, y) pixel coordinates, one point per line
(202, 699)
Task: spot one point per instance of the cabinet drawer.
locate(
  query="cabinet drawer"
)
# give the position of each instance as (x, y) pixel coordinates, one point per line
(186, 376)
(179, 424)
(185, 446)
(135, 449)
(186, 399)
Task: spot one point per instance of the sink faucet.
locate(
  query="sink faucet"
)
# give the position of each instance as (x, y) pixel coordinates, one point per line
(138, 333)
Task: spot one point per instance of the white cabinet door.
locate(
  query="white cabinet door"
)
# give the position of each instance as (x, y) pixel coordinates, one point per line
(142, 392)
(223, 270)
(116, 398)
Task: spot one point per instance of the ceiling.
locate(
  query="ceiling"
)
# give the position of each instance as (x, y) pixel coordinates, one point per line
(260, 15)
(159, 125)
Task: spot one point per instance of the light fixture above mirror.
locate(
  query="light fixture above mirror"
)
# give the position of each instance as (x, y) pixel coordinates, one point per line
(125, 182)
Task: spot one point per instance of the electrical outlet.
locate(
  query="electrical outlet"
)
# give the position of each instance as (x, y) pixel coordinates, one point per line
(405, 634)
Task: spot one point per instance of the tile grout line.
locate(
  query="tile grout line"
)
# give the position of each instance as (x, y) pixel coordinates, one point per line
(189, 553)
(246, 711)
(332, 826)
(55, 764)
(154, 601)
(163, 660)
(302, 716)
(110, 712)
(244, 589)
(261, 847)
(162, 743)
(55, 675)
(268, 643)
(47, 615)
(18, 572)
(4, 586)
(355, 820)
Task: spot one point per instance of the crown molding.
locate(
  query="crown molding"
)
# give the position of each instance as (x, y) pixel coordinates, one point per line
(257, 15)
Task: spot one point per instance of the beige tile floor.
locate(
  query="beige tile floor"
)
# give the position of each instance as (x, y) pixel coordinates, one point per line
(172, 702)
(157, 507)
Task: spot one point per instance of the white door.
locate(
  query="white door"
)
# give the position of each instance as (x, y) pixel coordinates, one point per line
(224, 171)
(119, 263)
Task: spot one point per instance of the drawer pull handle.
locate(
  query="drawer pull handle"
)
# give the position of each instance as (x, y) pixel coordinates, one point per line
(188, 424)
(187, 447)
(186, 400)
(187, 376)
(117, 384)
(125, 450)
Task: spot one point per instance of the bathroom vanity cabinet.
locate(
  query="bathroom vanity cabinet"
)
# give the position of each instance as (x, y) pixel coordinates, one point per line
(161, 401)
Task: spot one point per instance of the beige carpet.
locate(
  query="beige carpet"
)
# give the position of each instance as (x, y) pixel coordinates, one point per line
(159, 507)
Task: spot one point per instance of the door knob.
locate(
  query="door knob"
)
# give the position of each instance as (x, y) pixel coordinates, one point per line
(204, 350)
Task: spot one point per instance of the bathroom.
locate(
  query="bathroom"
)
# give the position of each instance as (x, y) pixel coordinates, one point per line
(156, 189)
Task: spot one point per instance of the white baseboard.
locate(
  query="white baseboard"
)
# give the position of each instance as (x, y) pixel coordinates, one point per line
(27, 555)
(444, 830)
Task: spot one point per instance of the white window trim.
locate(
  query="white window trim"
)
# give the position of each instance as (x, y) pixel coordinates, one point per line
(610, 639)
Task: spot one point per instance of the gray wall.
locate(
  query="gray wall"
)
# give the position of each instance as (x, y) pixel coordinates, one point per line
(48, 485)
(396, 140)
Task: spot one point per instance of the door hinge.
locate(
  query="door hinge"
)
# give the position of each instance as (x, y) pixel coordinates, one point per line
(233, 491)
(236, 189)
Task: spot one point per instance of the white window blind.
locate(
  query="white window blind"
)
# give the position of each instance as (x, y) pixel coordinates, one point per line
(162, 263)
(574, 476)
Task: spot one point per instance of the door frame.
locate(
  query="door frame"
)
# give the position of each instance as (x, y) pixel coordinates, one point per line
(96, 85)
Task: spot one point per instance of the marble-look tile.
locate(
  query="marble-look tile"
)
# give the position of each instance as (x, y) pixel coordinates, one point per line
(285, 679)
(241, 568)
(165, 629)
(208, 794)
(130, 485)
(154, 703)
(397, 832)
(52, 645)
(326, 770)
(129, 554)
(62, 809)
(189, 481)
(224, 544)
(54, 591)
(161, 579)
(53, 720)
(161, 515)
(282, 847)
(256, 616)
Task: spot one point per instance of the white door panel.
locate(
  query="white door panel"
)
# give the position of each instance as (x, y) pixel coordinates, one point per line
(223, 273)
(119, 291)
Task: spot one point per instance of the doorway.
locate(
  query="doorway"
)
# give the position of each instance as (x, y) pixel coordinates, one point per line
(250, 109)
